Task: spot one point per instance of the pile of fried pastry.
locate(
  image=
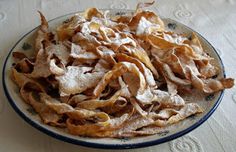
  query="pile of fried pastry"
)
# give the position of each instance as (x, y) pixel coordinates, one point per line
(124, 75)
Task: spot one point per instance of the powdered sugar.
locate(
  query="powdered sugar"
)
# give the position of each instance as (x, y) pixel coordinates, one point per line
(76, 80)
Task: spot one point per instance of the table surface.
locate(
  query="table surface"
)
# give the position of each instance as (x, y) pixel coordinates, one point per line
(214, 19)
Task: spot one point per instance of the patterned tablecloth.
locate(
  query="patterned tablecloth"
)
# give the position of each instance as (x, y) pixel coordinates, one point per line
(214, 19)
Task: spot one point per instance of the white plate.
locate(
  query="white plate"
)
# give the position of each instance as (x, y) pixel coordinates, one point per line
(209, 103)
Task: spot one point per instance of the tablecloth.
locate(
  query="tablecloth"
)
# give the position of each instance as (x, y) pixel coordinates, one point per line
(214, 19)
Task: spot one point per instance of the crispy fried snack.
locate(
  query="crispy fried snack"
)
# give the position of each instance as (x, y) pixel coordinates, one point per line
(101, 76)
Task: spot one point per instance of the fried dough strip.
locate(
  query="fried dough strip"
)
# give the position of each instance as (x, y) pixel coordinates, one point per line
(186, 111)
(42, 39)
(78, 114)
(97, 103)
(118, 70)
(211, 85)
(97, 130)
(146, 72)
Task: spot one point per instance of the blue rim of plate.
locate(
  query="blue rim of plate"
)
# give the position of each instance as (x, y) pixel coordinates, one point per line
(110, 146)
